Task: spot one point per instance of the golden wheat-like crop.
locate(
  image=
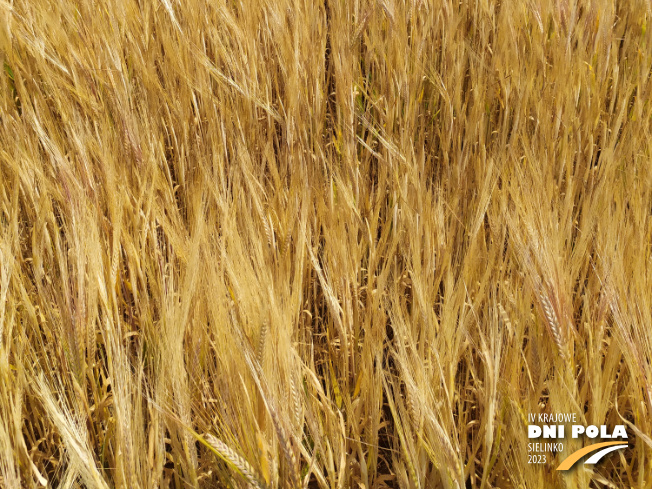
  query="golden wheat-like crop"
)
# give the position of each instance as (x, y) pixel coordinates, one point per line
(322, 243)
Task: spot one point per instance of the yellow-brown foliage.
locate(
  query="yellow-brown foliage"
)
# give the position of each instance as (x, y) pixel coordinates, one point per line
(322, 244)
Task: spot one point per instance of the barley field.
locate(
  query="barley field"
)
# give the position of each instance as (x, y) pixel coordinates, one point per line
(323, 243)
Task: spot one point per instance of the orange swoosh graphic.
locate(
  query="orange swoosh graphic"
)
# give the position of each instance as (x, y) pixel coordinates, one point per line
(575, 456)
